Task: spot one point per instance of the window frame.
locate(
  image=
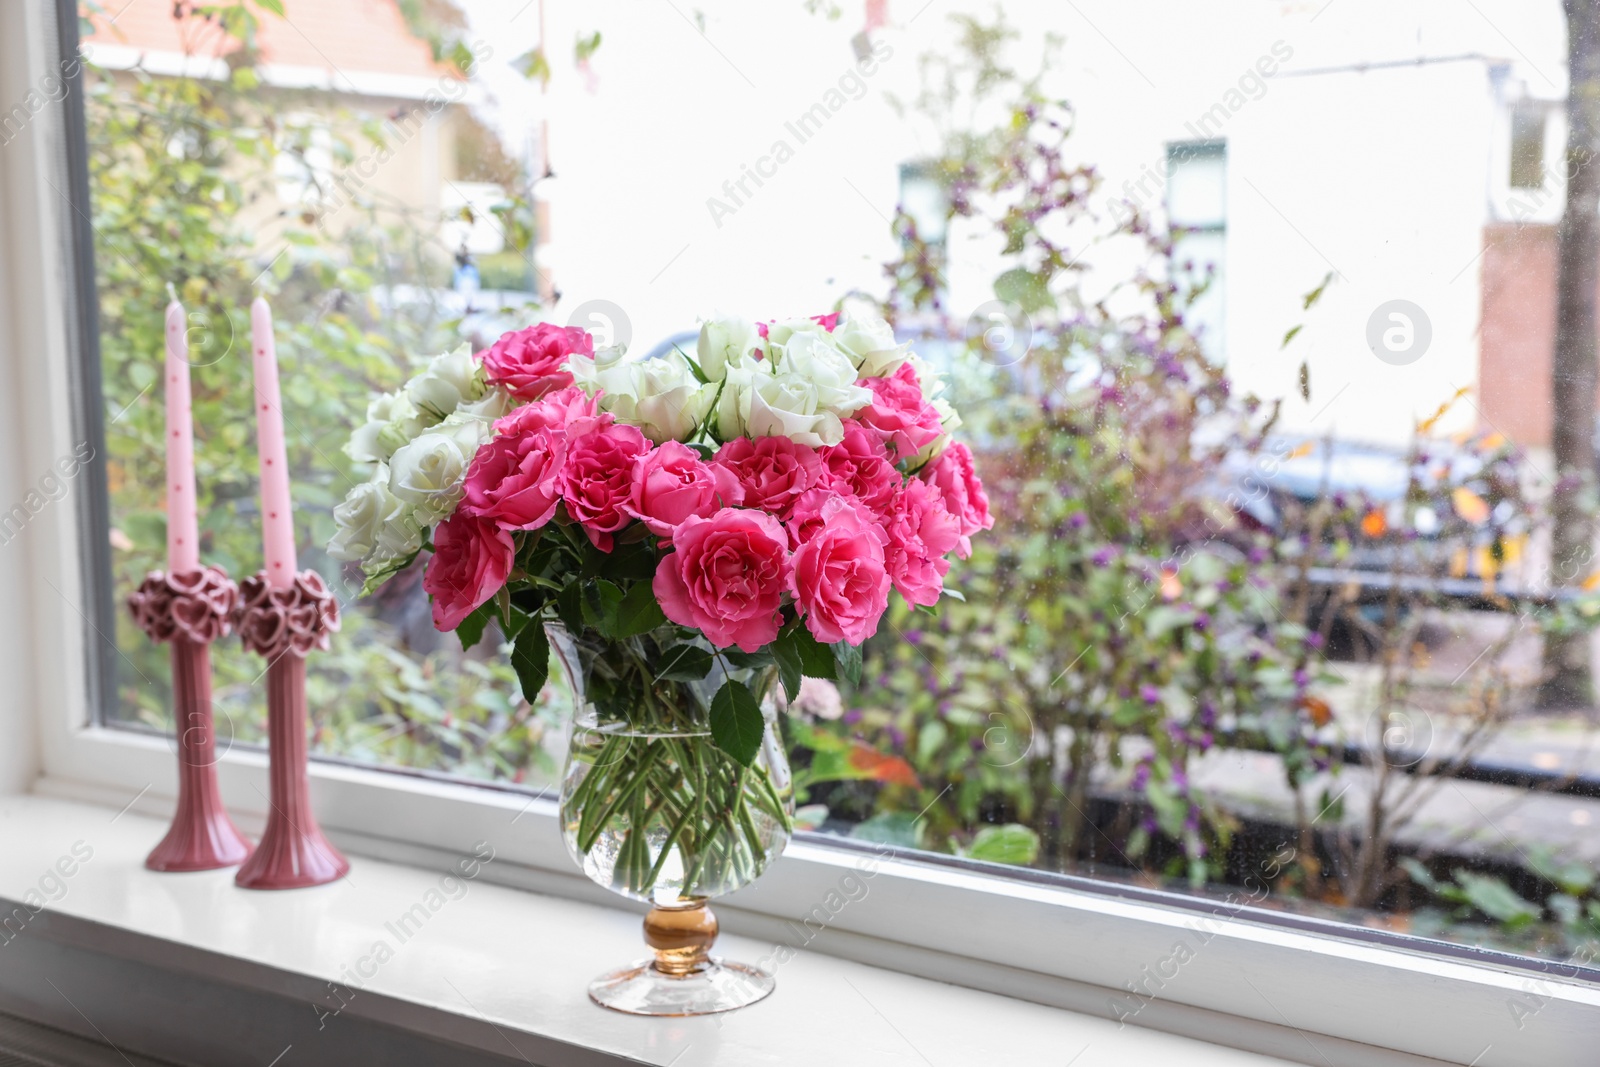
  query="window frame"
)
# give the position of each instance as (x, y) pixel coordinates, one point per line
(1066, 941)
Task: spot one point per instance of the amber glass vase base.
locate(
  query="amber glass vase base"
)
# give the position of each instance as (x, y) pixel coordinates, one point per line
(713, 986)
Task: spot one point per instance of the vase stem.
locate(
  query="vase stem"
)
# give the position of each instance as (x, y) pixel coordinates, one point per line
(681, 937)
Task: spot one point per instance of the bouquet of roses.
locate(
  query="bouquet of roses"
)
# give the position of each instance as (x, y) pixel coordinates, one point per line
(691, 528)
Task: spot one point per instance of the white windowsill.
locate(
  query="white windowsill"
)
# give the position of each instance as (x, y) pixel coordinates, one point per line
(505, 971)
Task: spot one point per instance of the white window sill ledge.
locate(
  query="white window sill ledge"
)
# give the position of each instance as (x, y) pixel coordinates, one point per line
(496, 971)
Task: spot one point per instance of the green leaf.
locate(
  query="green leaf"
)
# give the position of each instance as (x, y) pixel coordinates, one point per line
(1012, 843)
(1290, 335)
(1024, 288)
(530, 656)
(471, 628)
(601, 600)
(799, 653)
(274, 6)
(848, 658)
(898, 828)
(816, 658)
(637, 612)
(684, 663)
(736, 722)
(533, 66)
(1420, 875)
(1316, 294)
(1572, 877)
(788, 657)
(569, 607)
(586, 46)
(1497, 900)
(747, 660)
(694, 368)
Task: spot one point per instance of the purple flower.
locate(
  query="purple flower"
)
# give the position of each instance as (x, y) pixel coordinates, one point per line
(1201, 621)
(1078, 520)
(1150, 694)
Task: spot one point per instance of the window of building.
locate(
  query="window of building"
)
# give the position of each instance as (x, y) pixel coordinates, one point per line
(1197, 208)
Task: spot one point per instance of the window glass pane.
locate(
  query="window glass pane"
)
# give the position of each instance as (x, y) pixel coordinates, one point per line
(1311, 630)
(1527, 147)
(1197, 185)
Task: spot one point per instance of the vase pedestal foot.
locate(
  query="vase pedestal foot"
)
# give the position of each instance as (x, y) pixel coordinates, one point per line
(682, 979)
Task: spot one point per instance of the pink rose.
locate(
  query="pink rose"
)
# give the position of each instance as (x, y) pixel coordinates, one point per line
(899, 414)
(859, 466)
(771, 471)
(726, 577)
(953, 475)
(532, 362)
(516, 480)
(839, 579)
(555, 411)
(920, 532)
(807, 515)
(597, 478)
(827, 322)
(471, 559)
(671, 483)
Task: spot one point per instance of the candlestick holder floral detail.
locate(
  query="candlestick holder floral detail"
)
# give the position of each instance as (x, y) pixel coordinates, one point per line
(190, 610)
(283, 624)
(690, 535)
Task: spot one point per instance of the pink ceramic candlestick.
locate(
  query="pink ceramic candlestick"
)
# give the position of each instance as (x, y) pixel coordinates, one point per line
(283, 625)
(183, 531)
(277, 519)
(191, 609)
(285, 616)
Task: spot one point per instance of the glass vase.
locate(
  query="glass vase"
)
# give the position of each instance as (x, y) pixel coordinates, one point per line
(653, 810)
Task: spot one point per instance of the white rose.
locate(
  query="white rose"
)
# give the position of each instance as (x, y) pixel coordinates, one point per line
(675, 414)
(726, 341)
(778, 333)
(496, 403)
(816, 358)
(427, 473)
(381, 408)
(757, 403)
(608, 370)
(364, 445)
(383, 439)
(398, 537)
(869, 342)
(357, 520)
(662, 397)
(452, 379)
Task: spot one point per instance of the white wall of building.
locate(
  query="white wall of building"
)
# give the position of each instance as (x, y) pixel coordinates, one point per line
(1385, 175)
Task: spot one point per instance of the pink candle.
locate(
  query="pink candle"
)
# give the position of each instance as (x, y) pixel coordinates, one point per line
(277, 521)
(183, 532)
